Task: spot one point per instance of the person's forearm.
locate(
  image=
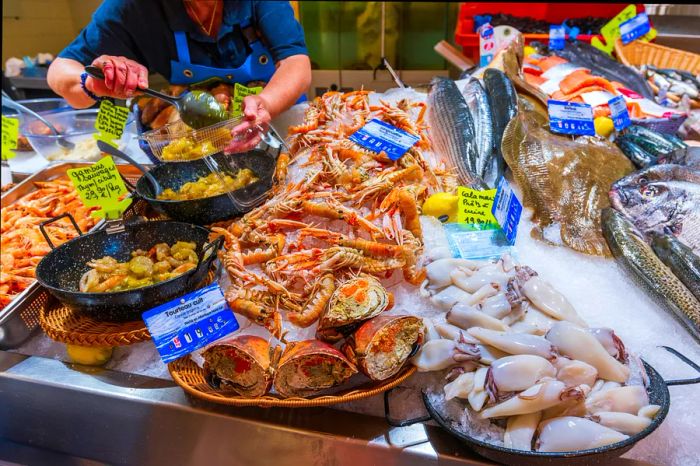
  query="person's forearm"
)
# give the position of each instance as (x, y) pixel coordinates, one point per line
(291, 79)
(64, 78)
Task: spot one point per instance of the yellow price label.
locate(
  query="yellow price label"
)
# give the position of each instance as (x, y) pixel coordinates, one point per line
(110, 122)
(474, 207)
(10, 134)
(101, 185)
(611, 30)
(240, 92)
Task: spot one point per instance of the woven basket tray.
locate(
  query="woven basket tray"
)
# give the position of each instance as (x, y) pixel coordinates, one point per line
(639, 53)
(191, 378)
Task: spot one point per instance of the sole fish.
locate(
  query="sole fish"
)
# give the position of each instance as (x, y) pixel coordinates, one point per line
(504, 105)
(480, 109)
(680, 259)
(452, 130)
(638, 259)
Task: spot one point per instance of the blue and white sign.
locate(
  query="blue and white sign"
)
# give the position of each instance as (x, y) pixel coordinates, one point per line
(378, 136)
(570, 118)
(507, 210)
(618, 112)
(557, 35)
(634, 28)
(190, 322)
(487, 44)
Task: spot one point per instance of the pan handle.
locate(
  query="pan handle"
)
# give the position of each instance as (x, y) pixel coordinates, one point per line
(43, 224)
(688, 362)
(213, 245)
(393, 422)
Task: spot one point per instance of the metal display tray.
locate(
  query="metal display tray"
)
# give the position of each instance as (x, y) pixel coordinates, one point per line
(21, 317)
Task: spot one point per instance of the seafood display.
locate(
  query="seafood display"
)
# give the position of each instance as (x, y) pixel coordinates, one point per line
(210, 185)
(22, 243)
(523, 365)
(671, 86)
(145, 268)
(565, 181)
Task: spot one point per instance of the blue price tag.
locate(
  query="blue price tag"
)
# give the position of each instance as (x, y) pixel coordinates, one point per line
(507, 210)
(557, 35)
(378, 136)
(618, 112)
(634, 28)
(487, 44)
(570, 118)
(190, 322)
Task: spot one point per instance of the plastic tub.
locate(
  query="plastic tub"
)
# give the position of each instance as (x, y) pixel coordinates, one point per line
(78, 127)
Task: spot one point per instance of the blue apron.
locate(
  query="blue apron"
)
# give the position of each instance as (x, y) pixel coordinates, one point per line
(258, 66)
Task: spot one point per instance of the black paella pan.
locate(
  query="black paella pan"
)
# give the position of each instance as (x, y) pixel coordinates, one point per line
(61, 269)
(657, 389)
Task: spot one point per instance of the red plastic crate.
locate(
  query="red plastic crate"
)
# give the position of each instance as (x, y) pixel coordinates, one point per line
(554, 13)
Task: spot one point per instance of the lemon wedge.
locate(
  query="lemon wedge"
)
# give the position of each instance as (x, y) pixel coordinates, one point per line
(603, 126)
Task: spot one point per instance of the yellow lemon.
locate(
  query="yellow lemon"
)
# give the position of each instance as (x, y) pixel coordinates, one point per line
(603, 126)
(441, 204)
(527, 50)
(89, 356)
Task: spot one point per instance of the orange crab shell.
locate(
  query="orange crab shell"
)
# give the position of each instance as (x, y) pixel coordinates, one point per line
(381, 336)
(245, 353)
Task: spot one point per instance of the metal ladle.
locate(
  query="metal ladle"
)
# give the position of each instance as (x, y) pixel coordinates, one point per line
(197, 109)
(60, 138)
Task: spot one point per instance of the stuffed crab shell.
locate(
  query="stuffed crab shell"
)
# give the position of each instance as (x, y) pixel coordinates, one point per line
(381, 346)
(353, 302)
(242, 363)
(310, 366)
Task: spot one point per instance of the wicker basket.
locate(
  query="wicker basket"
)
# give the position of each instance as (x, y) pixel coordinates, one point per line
(192, 379)
(639, 53)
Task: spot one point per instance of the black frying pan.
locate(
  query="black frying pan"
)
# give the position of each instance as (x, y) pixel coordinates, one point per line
(658, 394)
(60, 270)
(210, 209)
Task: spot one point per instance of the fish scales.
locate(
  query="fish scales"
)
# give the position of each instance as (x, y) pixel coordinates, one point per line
(680, 259)
(504, 104)
(452, 130)
(480, 109)
(639, 260)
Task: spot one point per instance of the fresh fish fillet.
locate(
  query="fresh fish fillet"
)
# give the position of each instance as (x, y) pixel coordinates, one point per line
(581, 79)
(480, 109)
(562, 71)
(550, 62)
(452, 130)
(564, 181)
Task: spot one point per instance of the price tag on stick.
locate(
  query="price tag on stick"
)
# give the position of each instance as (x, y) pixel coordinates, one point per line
(474, 207)
(557, 36)
(101, 185)
(190, 322)
(570, 118)
(507, 210)
(618, 112)
(110, 122)
(240, 92)
(379, 137)
(634, 28)
(10, 134)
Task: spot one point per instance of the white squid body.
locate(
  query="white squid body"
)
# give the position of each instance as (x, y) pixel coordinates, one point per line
(574, 373)
(628, 399)
(517, 373)
(431, 332)
(438, 272)
(455, 333)
(649, 411)
(575, 433)
(471, 282)
(514, 343)
(489, 354)
(534, 322)
(577, 343)
(547, 299)
(612, 344)
(496, 306)
(440, 354)
(460, 387)
(625, 423)
(466, 317)
(450, 296)
(478, 396)
(520, 430)
(536, 398)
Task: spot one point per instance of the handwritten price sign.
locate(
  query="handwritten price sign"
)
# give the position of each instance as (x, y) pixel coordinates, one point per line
(10, 131)
(474, 207)
(101, 185)
(110, 122)
(240, 92)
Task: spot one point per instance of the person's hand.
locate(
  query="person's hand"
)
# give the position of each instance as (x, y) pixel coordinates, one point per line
(123, 77)
(248, 134)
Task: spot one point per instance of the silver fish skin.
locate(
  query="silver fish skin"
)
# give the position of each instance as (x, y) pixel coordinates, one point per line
(638, 259)
(504, 107)
(480, 109)
(663, 199)
(680, 259)
(452, 130)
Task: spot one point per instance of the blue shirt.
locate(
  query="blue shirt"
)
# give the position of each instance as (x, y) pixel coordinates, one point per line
(142, 30)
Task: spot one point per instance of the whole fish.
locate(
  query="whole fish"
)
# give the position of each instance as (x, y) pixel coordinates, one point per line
(680, 259)
(452, 130)
(639, 157)
(638, 259)
(662, 199)
(583, 54)
(504, 105)
(689, 157)
(480, 109)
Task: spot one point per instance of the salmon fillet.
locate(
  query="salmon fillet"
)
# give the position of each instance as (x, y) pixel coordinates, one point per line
(582, 78)
(551, 62)
(533, 79)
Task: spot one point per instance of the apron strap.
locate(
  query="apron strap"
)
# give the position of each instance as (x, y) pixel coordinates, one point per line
(183, 51)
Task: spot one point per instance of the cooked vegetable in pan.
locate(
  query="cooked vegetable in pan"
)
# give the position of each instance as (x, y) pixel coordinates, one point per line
(210, 185)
